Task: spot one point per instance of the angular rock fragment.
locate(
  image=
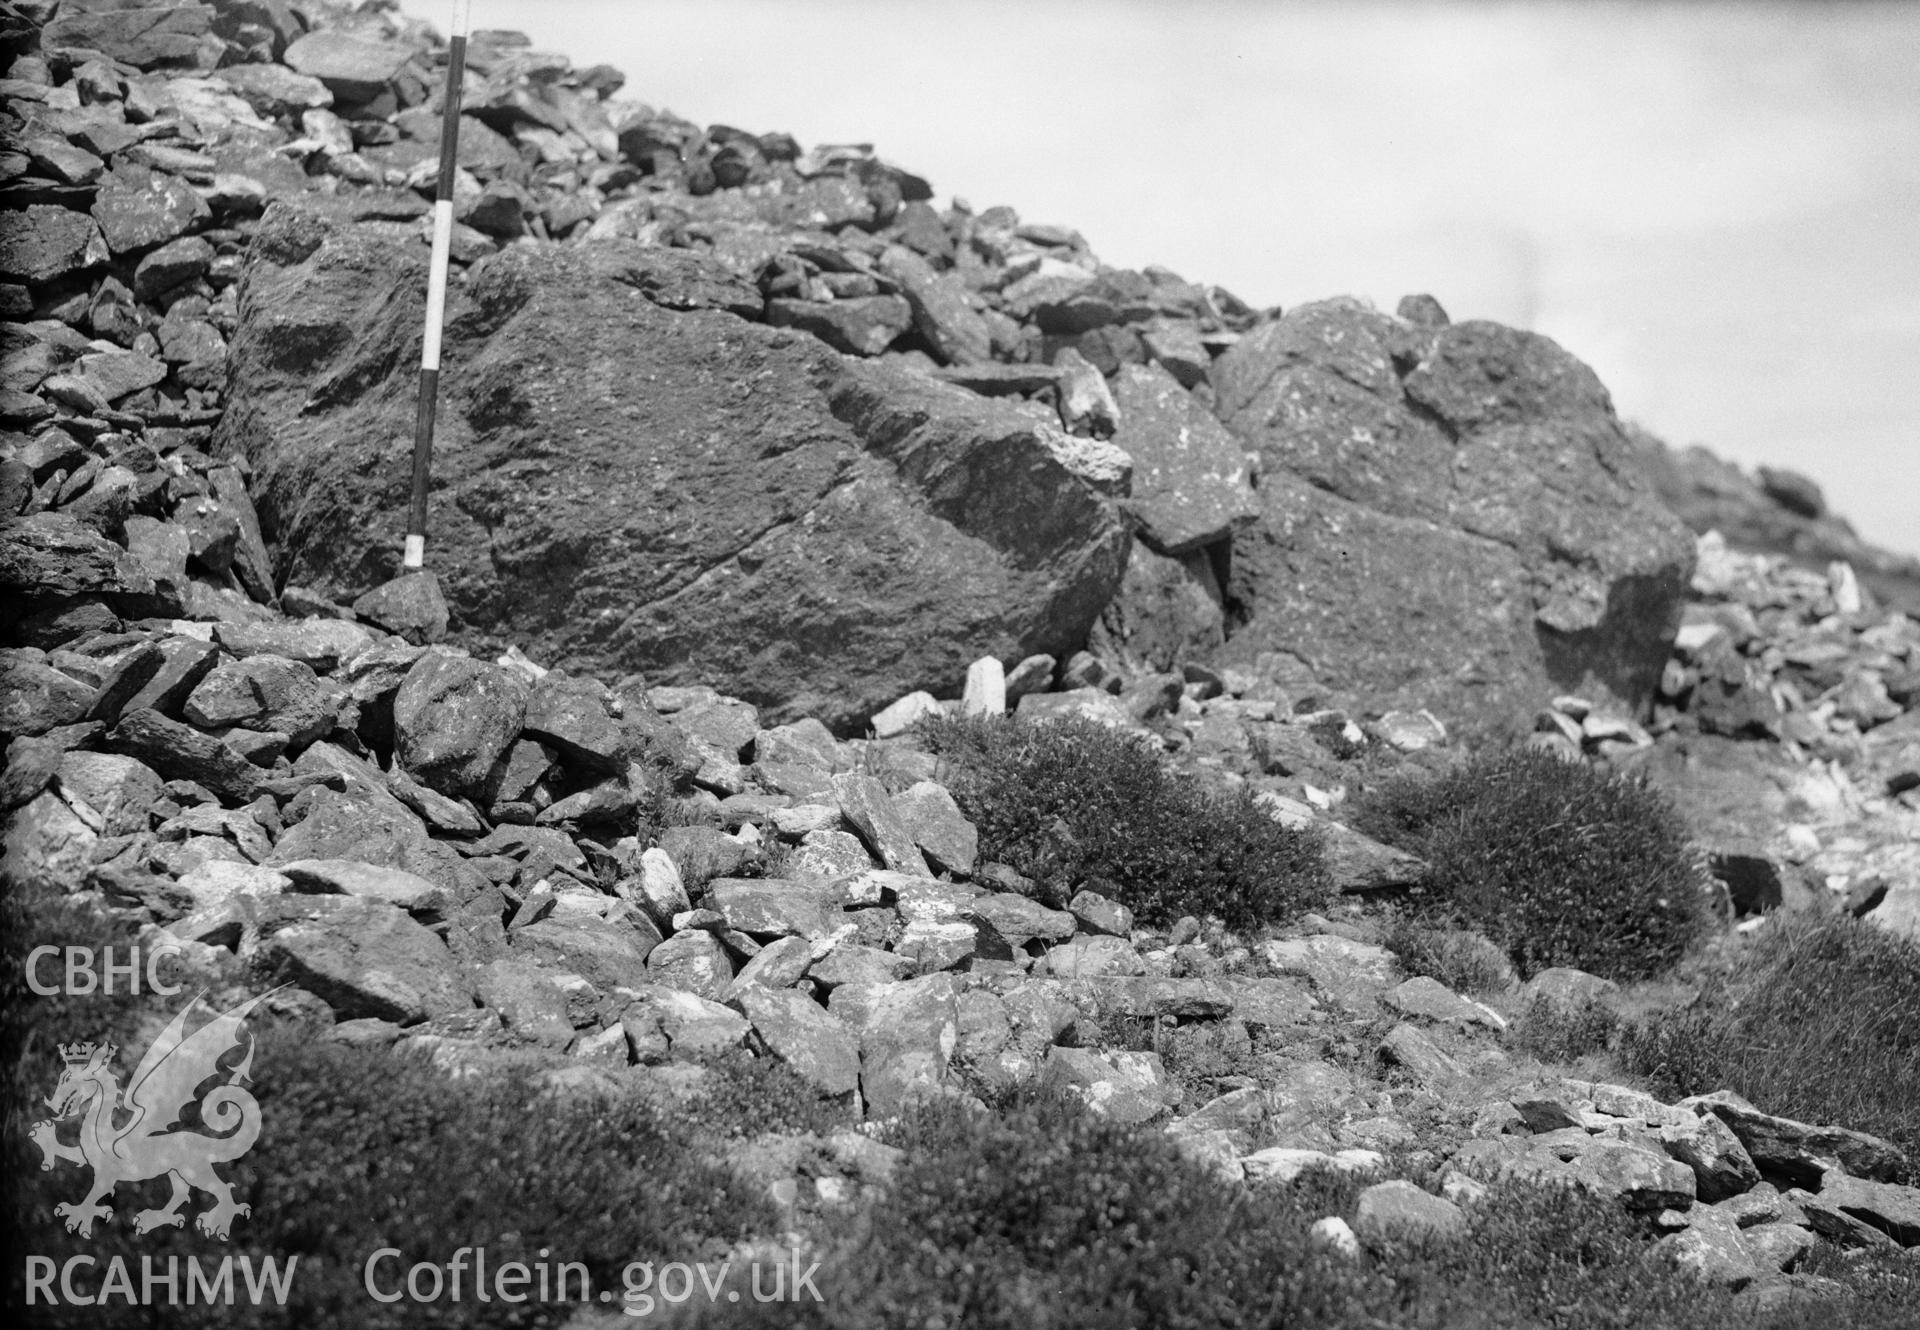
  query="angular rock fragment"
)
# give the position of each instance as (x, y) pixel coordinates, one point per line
(180, 752)
(1126, 1087)
(363, 957)
(804, 1035)
(867, 806)
(410, 606)
(453, 718)
(1398, 1211)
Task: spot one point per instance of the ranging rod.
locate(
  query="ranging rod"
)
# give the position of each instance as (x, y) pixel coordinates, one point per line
(416, 553)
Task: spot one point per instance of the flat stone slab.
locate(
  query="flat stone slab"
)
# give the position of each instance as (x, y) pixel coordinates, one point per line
(395, 886)
(362, 957)
(1428, 999)
(1283, 1164)
(1894, 1210)
(1353, 974)
(1399, 1211)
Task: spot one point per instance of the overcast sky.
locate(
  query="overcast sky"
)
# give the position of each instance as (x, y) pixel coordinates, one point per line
(1715, 205)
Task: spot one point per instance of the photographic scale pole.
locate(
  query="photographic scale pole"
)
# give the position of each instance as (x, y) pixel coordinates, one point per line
(416, 551)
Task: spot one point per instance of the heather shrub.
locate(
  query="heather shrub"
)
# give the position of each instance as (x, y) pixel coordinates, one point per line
(1068, 800)
(1555, 861)
(1819, 1020)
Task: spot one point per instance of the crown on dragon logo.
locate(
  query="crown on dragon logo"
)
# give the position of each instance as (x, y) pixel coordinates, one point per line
(78, 1055)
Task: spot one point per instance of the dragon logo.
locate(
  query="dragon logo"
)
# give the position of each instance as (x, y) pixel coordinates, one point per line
(136, 1134)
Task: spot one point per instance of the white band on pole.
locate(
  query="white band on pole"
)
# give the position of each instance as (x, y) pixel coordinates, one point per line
(437, 283)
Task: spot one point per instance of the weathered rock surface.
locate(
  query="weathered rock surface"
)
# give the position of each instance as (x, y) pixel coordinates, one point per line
(1477, 471)
(807, 533)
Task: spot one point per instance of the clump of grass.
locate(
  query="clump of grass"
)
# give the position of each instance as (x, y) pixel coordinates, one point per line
(1066, 801)
(1462, 959)
(1558, 863)
(744, 1096)
(1819, 1020)
(1566, 1031)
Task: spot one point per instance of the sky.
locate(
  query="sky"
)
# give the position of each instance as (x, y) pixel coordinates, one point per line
(1717, 206)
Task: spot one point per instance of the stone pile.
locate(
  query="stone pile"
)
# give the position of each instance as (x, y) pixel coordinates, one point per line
(1742, 1194)
(1774, 511)
(437, 851)
(1788, 731)
(1770, 650)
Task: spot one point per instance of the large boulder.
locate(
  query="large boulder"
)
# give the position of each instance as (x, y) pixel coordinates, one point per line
(1453, 517)
(678, 492)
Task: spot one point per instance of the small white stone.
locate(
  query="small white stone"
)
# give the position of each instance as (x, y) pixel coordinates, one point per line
(986, 691)
(1334, 1234)
(899, 717)
(1461, 1189)
(1844, 587)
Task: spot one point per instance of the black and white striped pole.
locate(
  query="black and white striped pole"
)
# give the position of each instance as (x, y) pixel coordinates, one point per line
(416, 552)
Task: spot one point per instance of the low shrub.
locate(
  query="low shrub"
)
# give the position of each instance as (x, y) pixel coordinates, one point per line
(1068, 800)
(1819, 1020)
(1555, 861)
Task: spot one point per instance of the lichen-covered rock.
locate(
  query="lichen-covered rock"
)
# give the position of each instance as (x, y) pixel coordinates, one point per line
(363, 957)
(804, 1035)
(907, 1039)
(841, 535)
(1399, 1211)
(1479, 472)
(454, 718)
(1127, 1087)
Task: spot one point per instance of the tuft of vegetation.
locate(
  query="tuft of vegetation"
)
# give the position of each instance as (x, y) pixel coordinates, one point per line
(1462, 959)
(1819, 1020)
(1566, 1031)
(1066, 801)
(1557, 862)
(745, 1096)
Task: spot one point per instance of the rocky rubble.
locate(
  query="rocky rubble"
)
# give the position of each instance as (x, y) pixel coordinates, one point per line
(1788, 730)
(826, 460)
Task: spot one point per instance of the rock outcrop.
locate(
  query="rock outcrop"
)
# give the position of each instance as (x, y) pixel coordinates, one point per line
(679, 493)
(1451, 515)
